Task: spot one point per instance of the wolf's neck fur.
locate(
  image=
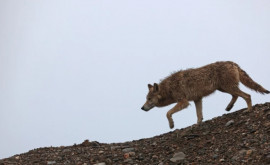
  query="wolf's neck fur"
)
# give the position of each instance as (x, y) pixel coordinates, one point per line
(166, 98)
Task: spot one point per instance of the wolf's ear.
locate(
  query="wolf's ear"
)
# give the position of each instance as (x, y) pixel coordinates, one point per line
(150, 87)
(156, 88)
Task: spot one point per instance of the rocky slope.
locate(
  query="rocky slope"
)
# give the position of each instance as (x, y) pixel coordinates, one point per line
(240, 137)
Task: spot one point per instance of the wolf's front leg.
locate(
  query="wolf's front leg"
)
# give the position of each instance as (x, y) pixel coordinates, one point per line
(179, 106)
(169, 116)
(198, 104)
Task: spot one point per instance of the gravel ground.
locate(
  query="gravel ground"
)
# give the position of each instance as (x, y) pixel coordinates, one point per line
(240, 137)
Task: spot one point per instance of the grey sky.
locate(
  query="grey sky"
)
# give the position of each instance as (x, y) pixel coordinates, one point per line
(76, 70)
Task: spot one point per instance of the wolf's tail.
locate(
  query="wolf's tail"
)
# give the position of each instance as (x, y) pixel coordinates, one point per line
(248, 82)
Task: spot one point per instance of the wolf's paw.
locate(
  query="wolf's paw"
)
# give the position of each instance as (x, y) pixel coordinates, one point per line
(229, 107)
(199, 123)
(171, 125)
(247, 110)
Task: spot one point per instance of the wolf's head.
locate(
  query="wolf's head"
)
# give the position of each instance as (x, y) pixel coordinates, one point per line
(152, 97)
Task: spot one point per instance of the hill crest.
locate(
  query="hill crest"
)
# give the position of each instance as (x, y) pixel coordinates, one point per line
(239, 137)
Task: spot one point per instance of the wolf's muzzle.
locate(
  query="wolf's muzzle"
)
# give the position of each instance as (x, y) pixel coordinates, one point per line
(145, 108)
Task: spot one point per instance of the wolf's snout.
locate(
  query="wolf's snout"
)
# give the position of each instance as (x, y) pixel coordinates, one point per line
(144, 108)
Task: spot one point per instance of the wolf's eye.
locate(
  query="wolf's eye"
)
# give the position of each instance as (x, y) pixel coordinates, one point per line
(149, 99)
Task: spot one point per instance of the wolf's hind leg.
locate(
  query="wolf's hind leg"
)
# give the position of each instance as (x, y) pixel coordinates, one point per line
(178, 107)
(246, 97)
(237, 92)
(198, 104)
(234, 98)
(230, 105)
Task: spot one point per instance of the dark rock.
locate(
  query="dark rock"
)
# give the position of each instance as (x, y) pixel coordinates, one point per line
(215, 156)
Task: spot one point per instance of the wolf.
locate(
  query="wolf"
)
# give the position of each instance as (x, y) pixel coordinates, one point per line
(194, 84)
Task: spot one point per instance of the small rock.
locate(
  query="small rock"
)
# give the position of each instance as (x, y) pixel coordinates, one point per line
(268, 157)
(155, 157)
(268, 116)
(128, 160)
(100, 163)
(115, 159)
(128, 149)
(215, 156)
(234, 158)
(140, 158)
(131, 153)
(222, 160)
(114, 147)
(242, 152)
(180, 156)
(51, 162)
(126, 155)
(206, 133)
(86, 143)
(249, 152)
(94, 144)
(154, 144)
(66, 150)
(231, 122)
(79, 163)
(100, 152)
(252, 130)
(108, 160)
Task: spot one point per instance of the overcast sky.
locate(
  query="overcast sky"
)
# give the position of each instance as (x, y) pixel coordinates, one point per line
(76, 70)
